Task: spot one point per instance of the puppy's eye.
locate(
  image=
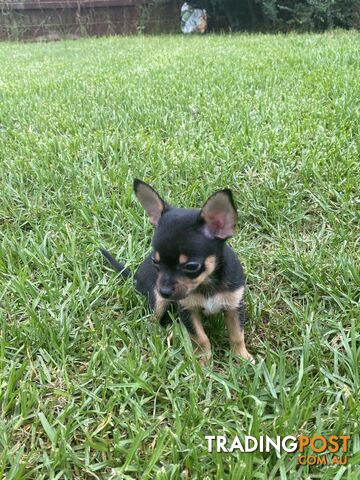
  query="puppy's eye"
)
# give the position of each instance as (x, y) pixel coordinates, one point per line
(191, 267)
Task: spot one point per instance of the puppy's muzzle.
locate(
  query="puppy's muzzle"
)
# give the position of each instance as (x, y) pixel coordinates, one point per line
(171, 288)
(172, 293)
(166, 292)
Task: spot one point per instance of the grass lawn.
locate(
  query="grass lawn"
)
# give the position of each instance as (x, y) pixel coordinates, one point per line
(90, 388)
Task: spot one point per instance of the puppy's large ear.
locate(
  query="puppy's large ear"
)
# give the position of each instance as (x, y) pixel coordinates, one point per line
(219, 215)
(150, 200)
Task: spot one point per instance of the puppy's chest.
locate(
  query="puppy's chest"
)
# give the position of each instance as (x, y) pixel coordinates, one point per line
(215, 303)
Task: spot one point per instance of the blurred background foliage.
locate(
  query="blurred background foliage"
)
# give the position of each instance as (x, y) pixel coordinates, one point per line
(281, 15)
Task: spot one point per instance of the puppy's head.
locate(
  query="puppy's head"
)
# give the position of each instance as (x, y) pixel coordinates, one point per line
(187, 243)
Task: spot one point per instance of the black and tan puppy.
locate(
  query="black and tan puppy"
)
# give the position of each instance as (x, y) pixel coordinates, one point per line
(192, 265)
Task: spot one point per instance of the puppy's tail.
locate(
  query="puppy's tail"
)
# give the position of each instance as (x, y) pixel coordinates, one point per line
(118, 267)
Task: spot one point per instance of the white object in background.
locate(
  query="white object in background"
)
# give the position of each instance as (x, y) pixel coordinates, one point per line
(193, 20)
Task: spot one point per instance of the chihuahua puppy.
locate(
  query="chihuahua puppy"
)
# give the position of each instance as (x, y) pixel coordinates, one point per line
(192, 266)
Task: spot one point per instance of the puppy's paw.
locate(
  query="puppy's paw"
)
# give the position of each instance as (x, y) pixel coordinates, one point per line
(204, 361)
(204, 357)
(243, 353)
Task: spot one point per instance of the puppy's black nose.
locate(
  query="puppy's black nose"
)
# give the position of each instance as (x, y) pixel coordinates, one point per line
(166, 292)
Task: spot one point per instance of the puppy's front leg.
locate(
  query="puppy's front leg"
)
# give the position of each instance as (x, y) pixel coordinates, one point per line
(202, 347)
(159, 305)
(235, 320)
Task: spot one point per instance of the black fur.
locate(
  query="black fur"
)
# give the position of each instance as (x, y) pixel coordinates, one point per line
(118, 267)
(190, 255)
(185, 318)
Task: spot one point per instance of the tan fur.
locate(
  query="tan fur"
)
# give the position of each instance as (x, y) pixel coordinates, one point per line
(221, 300)
(228, 301)
(160, 305)
(200, 339)
(183, 258)
(236, 334)
(185, 285)
(210, 264)
(157, 256)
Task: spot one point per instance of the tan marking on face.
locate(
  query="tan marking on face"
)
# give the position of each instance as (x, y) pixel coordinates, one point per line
(221, 300)
(185, 285)
(236, 335)
(183, 258)
(157, 256)
(202, 346)
(210, 264)
(182, 286)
